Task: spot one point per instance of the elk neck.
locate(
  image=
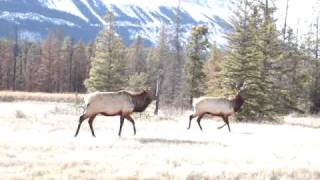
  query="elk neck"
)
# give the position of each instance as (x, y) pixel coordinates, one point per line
(237, 103)
(141, 101)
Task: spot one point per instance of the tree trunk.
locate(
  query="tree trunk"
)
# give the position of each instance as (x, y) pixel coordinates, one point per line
(158, 93)
(285, 22)
(15, 55)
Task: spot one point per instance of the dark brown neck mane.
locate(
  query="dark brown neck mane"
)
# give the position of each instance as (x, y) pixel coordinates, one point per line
(237, 103)
(140, 100)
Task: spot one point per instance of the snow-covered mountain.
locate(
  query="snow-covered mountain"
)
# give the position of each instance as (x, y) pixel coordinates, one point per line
(82, 19)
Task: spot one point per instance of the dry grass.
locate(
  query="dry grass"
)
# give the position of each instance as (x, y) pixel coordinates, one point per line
(305, 121)
(10, 96)
(41, 146)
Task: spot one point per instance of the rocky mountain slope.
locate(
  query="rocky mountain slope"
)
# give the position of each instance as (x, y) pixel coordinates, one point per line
(82, 19)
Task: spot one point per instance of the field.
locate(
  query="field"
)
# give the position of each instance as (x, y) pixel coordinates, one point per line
(37, 143)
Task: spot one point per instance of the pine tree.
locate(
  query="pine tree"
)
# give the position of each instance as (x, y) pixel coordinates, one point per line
(66, 64)
(294, 74)
(137, 66)
(244, 61)
(32, 66)
(79, 67)
(138, 81)
(271, 51)
(90, 53)
(157, 59)
(177, 90)
(313, 46)
(197, 49)
(21, 65)
(136, 57)
(51, 63)
(1, 64)
(7, 58)
(108, 66)
(212, 69)
(15, 57)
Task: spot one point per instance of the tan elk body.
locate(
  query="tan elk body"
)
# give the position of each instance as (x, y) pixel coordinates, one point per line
(217, 106)
(214, 105)
(111, 103)
(121, 103)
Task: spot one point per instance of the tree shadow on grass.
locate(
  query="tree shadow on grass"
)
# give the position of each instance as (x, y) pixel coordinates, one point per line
(169, 141)
(245, 133)
(175, 141)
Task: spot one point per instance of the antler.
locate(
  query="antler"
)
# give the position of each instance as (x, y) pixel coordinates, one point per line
(239, 84)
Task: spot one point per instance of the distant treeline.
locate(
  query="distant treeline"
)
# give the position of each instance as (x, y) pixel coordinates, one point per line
(280, 71)
(56, 64)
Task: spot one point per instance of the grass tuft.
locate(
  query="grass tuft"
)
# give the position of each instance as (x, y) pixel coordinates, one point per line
(20, 115)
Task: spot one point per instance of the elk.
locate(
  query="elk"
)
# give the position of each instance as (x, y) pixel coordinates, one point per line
(121, 103)
(218, 106)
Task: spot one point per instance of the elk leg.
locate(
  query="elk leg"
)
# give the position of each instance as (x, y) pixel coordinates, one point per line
(90, 124)
(198, 120)
(121, 124)
(225, 123)
(222, 126)
(190, 119)
(133, 123)
(226, 120)
(81, 119)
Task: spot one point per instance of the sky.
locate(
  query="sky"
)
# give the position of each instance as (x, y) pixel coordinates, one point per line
(301, 13)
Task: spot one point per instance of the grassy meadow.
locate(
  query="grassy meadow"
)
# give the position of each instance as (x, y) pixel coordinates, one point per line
(37, 143)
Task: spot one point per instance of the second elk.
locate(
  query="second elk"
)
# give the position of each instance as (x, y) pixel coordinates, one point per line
(218, 106)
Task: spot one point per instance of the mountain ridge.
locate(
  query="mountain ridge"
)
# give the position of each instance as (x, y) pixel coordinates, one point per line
(83, 19)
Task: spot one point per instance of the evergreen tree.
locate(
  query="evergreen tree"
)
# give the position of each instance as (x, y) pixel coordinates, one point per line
(7, 59)
(313, 49)
(15, 57)
(90, 53)
(177, 90)
(79, 67)
(158, 58)
(136, 57)
(197, 49)
(108, 66)
(294, 74)
(271, 51)
(51, 62)
(1, 64)
(66, 64)
(138, 81)
(244, 61)
(21, 65)
(212, 70)
(137, 66)
(32, 66)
